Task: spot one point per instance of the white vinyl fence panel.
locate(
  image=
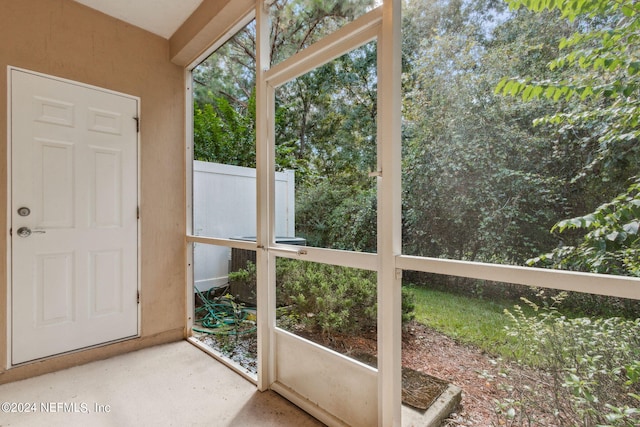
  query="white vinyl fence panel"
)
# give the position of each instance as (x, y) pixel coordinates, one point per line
(224, 206)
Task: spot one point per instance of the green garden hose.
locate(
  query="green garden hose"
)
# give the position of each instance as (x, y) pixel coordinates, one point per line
(222, 316)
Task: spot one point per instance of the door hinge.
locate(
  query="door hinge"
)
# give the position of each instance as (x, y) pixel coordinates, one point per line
(137, 119)
(138, 300)
(11, 232)
(138, 212)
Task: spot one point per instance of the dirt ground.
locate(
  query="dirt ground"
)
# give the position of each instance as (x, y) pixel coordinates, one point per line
(467, 367)
(431, 352)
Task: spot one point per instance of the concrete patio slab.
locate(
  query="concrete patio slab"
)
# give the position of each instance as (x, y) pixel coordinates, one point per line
(168, 385)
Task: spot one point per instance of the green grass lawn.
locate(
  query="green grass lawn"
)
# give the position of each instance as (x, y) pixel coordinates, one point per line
(469, 320)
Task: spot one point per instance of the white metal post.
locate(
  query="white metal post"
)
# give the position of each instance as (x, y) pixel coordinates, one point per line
(264, 182)
(389, 217)
(190, 302)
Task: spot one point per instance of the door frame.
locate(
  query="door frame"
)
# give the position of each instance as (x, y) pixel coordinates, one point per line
(8, 213)
(382, 403)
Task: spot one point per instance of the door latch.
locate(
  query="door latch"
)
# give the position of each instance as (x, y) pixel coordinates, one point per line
(26, 231)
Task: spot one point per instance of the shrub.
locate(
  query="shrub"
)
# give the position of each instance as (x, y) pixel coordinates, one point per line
(590, 367)
(327, 298)
(408, 305)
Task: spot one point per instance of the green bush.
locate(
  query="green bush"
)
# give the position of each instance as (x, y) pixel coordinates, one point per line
(326, 298)
(333, 299)
(330, 214)
(408, 305)
(590, 367)
(329, 298)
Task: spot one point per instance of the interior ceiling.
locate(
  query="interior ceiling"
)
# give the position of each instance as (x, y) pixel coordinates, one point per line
(161, 17)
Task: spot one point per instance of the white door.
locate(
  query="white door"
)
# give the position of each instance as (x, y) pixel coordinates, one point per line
(74, 221)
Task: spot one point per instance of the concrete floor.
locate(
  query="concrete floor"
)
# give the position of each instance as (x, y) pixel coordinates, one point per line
(169, 385)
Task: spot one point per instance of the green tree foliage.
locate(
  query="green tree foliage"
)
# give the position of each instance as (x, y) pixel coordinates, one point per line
(329, 116)
(484, 176)
(599, 68)
(611, 244)
(297, 24)
(600, 81)
(230, 71)
(480, 183)
(337, 216)
(223, 135)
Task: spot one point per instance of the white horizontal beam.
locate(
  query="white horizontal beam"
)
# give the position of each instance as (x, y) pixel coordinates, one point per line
(615, 286)
(361, 260)
(230, 243)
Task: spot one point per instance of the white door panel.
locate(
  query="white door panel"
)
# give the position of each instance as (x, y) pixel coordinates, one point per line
(74, 166)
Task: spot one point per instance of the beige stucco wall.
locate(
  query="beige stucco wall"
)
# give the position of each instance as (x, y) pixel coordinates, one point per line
(65, 39)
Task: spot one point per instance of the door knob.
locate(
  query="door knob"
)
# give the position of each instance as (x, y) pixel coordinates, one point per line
(26, 231)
